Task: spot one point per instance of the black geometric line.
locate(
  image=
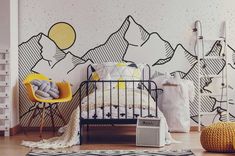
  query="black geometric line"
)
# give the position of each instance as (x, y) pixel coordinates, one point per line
(231, 48)
(121, 48)
(231, 65)
(215, 50)
(169, 50)
(144, 33)
(118, 37)
(179, 72)
(76, 66)
(24, 63)
(163, 61)
(204, 83)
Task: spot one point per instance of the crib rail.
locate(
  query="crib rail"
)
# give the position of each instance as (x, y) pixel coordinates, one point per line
(146, 72)
(148, 85)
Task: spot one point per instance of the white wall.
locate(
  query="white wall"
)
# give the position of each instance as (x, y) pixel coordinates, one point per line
(4, 24)
(95, 20)
(9, 40)
(14, 62)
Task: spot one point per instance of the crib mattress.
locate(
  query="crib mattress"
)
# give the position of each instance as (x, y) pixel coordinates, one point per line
(115, 104)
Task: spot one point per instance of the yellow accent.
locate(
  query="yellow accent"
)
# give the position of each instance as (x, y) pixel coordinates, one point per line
(63, 35)
(218, 137)
(121, 64)
(95, 76)
(64, 88)
(33, 76)
(121, 85)
(137, 73)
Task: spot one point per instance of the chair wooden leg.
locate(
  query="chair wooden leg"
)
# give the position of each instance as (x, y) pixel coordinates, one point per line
(60, 115)
(32, 117)
(52, 118)
(42, 119)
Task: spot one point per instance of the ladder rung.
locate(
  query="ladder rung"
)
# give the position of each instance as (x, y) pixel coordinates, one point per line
(4, 106)
(4, 116)
(4, 61)
(3, 83)
(3, 51)
(4, 128)
(4, 72)
(3, 95)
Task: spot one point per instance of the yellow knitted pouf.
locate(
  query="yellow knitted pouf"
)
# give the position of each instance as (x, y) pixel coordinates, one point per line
(218, 137)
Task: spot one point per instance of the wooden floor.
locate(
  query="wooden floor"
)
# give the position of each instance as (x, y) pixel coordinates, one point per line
(103, 139)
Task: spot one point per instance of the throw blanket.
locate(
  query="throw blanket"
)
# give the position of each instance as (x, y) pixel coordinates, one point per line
(68, 139)
(71, 137)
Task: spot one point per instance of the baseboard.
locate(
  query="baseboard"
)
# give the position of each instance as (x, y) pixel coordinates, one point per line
(130, 127)
(195, 128)
(13, 131)
(37, 128)
(17, 129)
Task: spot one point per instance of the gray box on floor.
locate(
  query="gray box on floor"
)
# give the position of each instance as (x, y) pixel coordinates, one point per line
(150, 132)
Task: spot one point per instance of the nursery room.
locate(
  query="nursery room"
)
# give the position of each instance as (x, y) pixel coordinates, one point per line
(117, 77)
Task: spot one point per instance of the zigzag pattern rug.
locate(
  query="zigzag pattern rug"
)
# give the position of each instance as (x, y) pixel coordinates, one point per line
(113, 153)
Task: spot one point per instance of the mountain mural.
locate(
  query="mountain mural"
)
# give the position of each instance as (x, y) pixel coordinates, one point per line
(131, 42)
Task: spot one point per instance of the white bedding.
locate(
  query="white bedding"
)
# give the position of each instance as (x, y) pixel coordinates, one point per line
(104, 100)
(140, 98)
(71, 130)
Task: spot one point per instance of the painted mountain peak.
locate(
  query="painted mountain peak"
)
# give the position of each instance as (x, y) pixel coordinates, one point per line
(40, 54)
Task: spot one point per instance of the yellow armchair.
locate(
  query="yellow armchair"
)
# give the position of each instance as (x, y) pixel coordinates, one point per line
(65, 96)
(64, 88)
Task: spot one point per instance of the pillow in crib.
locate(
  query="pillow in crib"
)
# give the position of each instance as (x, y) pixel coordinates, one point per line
(118, 71)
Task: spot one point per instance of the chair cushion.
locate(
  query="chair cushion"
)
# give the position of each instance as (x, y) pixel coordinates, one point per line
(53, 94)
(42, 93)
(45, 89)
(218, 137)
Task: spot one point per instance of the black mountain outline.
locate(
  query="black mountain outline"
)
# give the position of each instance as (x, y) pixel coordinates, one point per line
(129, 16)
(217, 43)
(41, 47)
(149, 34)
(41, 34)
(109, 39)
(166, 59)
(22, 74)
(231, 65)
(174, 49)
(233, 55)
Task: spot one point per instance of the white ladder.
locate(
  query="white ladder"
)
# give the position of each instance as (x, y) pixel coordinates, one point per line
(4, 92)
(201, 57)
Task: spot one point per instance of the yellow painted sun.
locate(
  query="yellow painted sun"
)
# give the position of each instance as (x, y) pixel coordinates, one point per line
(63, 34)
